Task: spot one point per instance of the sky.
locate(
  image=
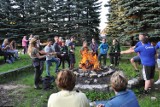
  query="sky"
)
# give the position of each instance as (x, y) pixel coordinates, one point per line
(103, 17)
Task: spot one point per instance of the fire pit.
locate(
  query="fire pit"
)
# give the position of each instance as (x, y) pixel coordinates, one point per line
(94, 80)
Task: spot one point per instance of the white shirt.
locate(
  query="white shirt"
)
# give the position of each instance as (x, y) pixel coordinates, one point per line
(68, 99)
(48, 49)
(67, 42)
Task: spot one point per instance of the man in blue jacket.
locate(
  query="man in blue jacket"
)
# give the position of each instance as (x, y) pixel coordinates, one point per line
(103, 51)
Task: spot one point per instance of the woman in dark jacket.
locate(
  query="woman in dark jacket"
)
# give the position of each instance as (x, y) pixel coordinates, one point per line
(114, 52)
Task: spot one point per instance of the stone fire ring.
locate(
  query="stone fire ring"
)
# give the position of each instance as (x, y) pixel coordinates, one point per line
(94, 80)
(98, 80)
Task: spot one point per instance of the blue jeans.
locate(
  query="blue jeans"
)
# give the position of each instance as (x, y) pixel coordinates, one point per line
(49, 63)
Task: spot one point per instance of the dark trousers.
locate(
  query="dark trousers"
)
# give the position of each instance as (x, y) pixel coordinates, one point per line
(6, 55)
(114, 58)
(24, 49)
(104, 58)
(38, 68)
(37, 75)
(63, 59)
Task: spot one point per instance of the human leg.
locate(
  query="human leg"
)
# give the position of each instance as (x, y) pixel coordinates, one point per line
(111, 59)
(104, 59)
(57, 61)
(133, 62)
(48, 64)
(158, 63)
(148, 75)
(36, 76)
(99, 58)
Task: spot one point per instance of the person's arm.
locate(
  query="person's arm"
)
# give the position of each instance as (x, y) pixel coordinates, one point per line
(100, 46)
(128, 51)
(107, 47)
(5, 47)
(25, 40)
(133, 47)
(111, 49)
(40, 56)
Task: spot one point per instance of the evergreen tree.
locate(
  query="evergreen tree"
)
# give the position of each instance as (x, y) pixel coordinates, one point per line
(49, 18)
(128, 18)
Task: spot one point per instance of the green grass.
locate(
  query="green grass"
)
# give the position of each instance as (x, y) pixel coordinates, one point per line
(29, 97)
(23, 61)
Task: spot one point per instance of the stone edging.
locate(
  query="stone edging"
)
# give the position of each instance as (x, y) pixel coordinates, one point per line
(15, 71)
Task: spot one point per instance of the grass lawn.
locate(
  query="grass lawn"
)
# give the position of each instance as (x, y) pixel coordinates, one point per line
(23, 61)
(29, 97)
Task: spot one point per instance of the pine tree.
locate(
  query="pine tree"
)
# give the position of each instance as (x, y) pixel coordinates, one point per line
(130, 17)
(48, 18)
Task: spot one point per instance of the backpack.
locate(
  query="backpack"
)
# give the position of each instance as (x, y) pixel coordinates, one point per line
(47, 82)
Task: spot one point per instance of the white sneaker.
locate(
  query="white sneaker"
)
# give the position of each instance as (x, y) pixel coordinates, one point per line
(111, 65)
(157, 82)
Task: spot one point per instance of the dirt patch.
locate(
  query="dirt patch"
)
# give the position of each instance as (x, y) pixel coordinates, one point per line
(5, 89)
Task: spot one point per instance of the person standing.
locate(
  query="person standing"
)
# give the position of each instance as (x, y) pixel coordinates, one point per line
(50, 58)
(114, 52)
(37, 61)
(94, 47)
(103, 51)
(158, 61)
(24, 44)
(72, 53)
(64, 55)
(136, 59)
(56, 48)
(147, 54)
(67, 41)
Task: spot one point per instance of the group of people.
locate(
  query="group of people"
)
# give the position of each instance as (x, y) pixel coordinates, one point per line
(61, 51)
(57, 52)
(92, 54)
(9, 51)
(68, 97)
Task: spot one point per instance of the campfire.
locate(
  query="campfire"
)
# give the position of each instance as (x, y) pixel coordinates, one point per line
(89, 60)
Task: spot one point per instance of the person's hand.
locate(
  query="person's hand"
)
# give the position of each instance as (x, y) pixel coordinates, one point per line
(100, 105)
(121, 52)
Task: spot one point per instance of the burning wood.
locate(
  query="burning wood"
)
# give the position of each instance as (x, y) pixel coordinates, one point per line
(89, 60)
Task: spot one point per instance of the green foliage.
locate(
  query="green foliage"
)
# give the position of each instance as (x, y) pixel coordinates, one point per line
(48, 18)
(128, 18)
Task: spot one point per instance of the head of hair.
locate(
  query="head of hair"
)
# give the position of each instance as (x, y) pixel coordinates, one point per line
(32, 44)
(5, 42)
(66, 80)
(142, 34)
(36, 37)
(119, 81)
(144, 40)
(49, 40)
